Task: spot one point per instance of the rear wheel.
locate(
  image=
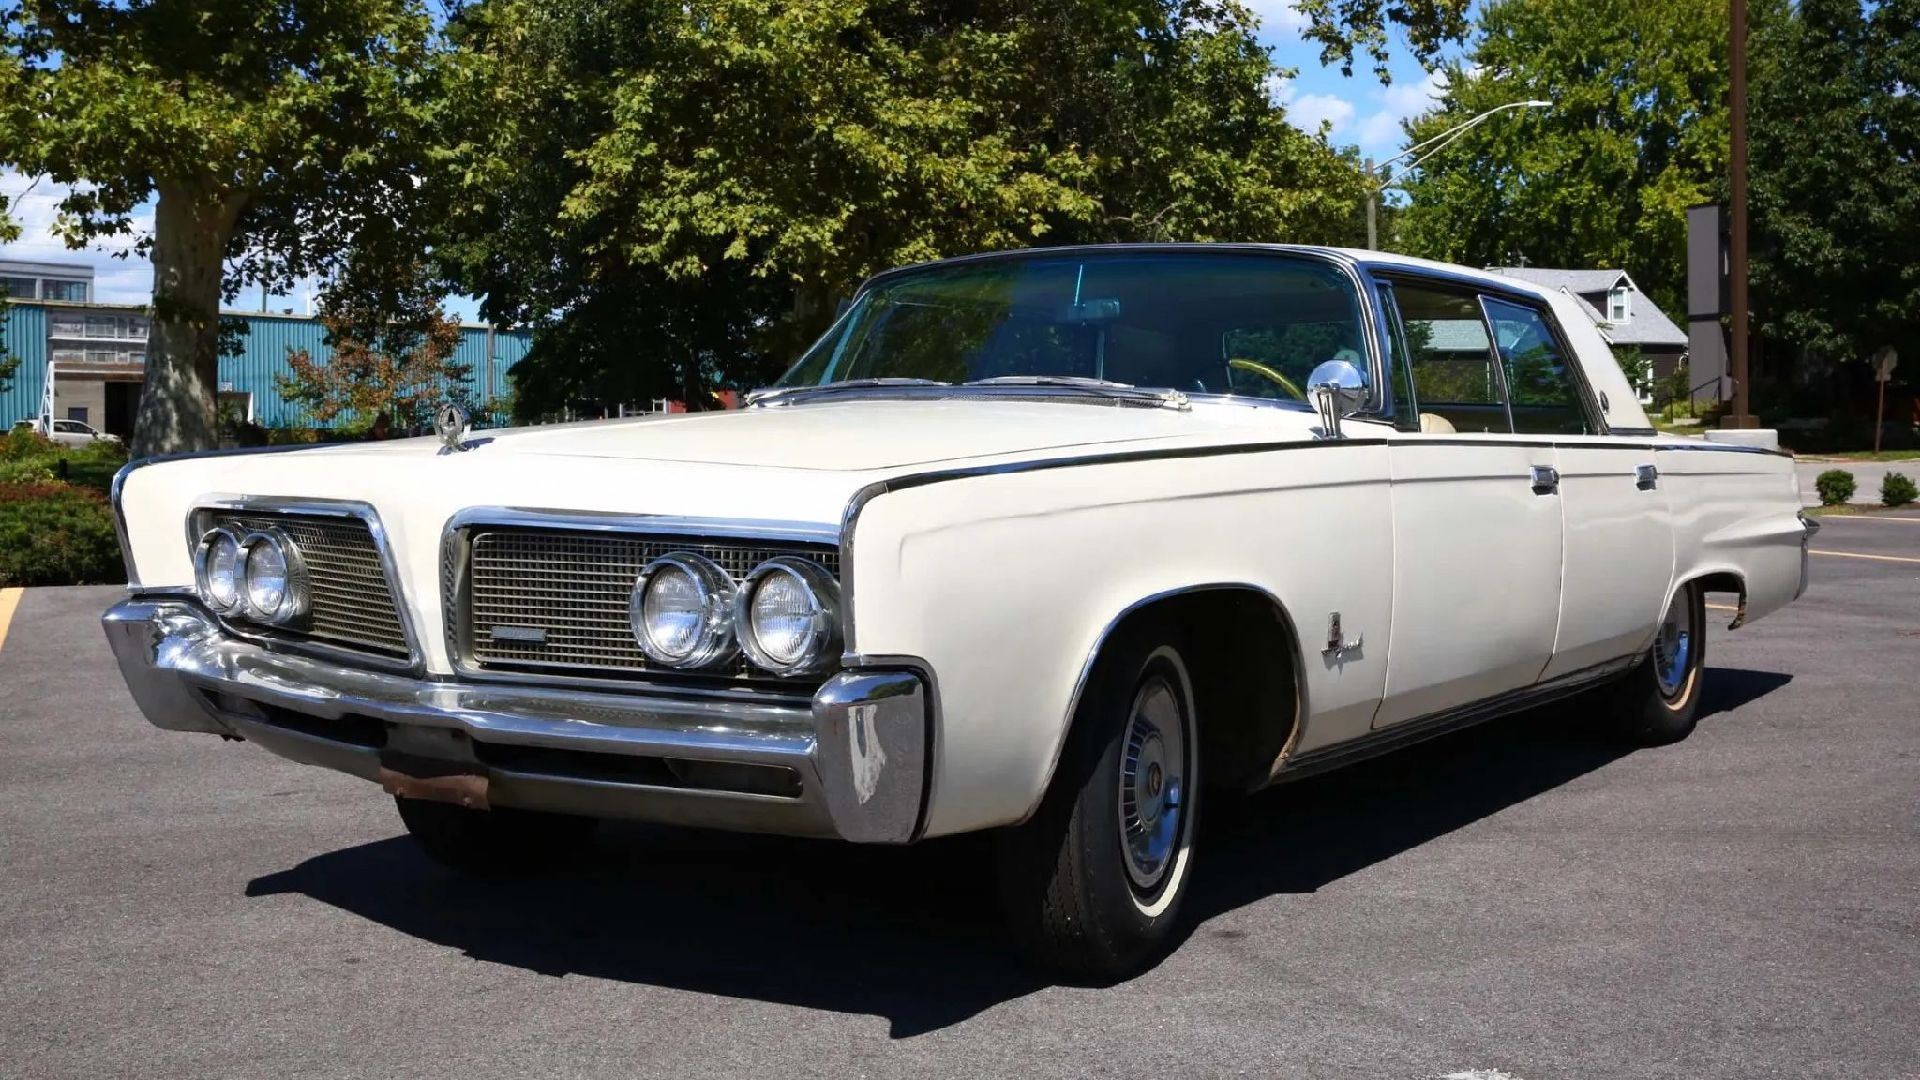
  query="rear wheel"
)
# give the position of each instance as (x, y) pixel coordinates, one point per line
(1092, 884)
(1658, 702)
(500, 841)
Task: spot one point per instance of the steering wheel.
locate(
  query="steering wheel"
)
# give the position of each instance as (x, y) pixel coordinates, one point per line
(1265, 371)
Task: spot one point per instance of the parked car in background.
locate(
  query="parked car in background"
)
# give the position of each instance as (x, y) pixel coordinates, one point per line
(67, 432)
(1047, 543)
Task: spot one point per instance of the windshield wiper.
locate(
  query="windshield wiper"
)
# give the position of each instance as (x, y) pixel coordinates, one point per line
(1165, 398)
(775, 394)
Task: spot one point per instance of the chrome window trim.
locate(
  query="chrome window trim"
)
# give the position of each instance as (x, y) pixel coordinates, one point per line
(415, 661)
(454, 552)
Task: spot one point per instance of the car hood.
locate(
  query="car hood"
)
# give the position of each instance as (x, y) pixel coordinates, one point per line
(864, 435)
(791, 463)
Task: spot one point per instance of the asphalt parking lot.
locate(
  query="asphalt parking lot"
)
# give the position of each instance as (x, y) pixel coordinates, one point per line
(1517, 898)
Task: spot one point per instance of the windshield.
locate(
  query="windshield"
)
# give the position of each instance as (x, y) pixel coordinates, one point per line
(1250, 324)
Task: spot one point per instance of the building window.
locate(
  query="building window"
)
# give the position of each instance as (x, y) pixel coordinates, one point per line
(68, 326)
(19, 288)
(75, 291)
(68, 356)
(1617, 311)
(77, 413)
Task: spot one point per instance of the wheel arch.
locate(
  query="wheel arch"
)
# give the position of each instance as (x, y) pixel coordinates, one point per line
(1715, 580)
(1218, 627)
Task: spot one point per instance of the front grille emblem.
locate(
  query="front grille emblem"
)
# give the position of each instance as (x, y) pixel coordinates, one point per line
(525, 635)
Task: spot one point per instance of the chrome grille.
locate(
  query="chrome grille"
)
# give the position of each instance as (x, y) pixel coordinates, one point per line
(353, 605)
(569, 591)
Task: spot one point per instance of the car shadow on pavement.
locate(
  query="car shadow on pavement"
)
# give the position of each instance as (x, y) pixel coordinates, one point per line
(913, 934)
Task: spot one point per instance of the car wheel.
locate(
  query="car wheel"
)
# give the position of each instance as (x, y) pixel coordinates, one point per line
(1092, 884)
(1659, 700)
(493, 842)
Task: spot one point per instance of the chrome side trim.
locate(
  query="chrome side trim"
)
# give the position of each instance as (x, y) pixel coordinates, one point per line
(415, 662)
(120, 482)
(1397, 736)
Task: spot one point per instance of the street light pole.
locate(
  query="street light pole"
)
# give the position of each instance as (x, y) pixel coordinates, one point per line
(1431, 147)
(1373, 198)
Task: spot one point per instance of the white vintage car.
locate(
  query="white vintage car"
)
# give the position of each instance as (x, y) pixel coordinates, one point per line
(1038, 542)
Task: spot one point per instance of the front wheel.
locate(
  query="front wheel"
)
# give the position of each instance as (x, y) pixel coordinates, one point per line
(1658, 702)
(1092, 884)
(493, 842)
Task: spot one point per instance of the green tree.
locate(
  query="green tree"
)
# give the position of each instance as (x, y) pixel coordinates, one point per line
(674, 194)
(1836, 183)
(268, 133)
(9, 232)
(1637, 132)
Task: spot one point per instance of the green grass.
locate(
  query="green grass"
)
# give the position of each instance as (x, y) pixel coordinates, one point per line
(1859, 510)
(1865, 455)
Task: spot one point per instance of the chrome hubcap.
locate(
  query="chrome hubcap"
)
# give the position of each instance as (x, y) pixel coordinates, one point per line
(1153, 793)
(1673, 648)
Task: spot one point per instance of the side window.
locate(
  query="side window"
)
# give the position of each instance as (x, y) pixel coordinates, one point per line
(1456, 385)
(1545, 396)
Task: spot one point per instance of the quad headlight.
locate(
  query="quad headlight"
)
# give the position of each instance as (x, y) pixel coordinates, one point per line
(681, 611)
(258, 576)
(787, 614)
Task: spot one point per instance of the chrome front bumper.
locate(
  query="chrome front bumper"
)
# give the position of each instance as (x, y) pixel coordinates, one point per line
(851, 764)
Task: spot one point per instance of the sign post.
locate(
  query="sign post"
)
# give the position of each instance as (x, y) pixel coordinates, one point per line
(1884, 362)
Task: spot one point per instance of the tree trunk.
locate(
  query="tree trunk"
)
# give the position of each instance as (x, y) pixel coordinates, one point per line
(191, 228)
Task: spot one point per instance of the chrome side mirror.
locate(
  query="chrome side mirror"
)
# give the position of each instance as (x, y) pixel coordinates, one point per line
(1336, 388)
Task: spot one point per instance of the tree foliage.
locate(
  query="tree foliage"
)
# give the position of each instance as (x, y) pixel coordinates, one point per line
(382, 362)
(1637, 132)
(270, 135)
(1836, 179)
(673, 194)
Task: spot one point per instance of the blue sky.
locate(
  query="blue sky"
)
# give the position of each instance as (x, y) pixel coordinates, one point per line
(1360, 111)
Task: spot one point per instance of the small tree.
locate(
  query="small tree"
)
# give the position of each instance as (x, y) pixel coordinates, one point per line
(400, 368)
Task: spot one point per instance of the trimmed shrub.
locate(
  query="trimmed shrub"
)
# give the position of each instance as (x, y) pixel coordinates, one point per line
(54, 534)
(26, 471)
(1896, 489)
(1835, 486)
(22, 443)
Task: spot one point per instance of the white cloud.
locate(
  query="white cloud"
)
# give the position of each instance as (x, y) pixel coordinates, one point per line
(1308, 111)
(1278, 17)
(34, 203)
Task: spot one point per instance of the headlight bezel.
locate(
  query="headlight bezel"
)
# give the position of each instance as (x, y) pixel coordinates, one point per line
(203, 571)
(296, 599)
(716, 642)
(821, 651)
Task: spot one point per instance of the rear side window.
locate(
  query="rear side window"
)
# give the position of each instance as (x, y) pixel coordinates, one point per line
(1455, 382)
(1541, 386)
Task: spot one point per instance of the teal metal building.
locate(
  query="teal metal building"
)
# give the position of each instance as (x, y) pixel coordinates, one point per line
(99, 359)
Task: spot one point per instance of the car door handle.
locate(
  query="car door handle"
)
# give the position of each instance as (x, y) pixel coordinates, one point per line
(1546, 479)
(1646, 477)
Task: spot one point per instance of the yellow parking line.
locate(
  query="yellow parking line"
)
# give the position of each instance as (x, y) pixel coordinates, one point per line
(1860, 555)
(9, 599)
(1722, 607)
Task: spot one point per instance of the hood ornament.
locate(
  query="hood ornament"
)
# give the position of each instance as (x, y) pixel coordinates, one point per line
(450, 421)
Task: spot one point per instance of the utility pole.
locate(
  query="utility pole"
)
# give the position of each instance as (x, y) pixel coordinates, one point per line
(1373, 199)
(1742, 416)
